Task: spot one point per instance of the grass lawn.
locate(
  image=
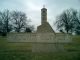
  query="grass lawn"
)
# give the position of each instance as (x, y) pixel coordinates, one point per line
(22, 51)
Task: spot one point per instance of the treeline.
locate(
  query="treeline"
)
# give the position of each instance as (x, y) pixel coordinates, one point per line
(14, 21)
(69, 21)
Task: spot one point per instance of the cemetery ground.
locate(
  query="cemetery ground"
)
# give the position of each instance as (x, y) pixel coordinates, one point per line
(22, 51)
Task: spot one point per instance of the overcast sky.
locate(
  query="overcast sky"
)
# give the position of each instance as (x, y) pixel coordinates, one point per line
(33, 8)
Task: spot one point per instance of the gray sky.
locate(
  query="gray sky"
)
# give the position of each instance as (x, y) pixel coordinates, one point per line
(33, 8)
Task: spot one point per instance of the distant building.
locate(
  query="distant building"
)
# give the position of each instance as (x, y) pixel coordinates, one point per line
(45, 26)
(45, 39)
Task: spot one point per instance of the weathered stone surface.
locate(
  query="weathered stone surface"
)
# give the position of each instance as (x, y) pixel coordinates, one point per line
(45, 28)
(39, 37)
(41, 42)
(47, 47)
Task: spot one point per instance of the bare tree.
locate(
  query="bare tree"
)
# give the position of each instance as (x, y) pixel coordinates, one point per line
(13, 20)
(77, 26)
(19, 20)
(4, 21)
(67, 20)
